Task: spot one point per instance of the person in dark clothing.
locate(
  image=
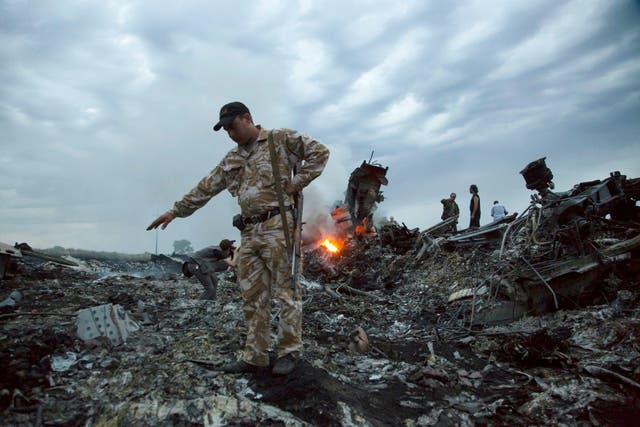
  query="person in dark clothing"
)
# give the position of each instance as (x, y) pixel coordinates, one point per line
(208, 261)
(474, 207)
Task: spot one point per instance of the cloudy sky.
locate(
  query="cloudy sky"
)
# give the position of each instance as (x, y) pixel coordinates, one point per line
(106, 107)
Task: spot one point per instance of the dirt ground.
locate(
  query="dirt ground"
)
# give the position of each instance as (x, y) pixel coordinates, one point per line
(420, 364)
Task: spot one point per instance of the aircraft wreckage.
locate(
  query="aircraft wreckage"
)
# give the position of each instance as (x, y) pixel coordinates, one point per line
(399, 326)
(556, 254)
(362, 196)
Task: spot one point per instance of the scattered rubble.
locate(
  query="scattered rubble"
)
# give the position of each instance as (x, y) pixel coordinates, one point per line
(536, 322)
(558, 252)
(8, 259)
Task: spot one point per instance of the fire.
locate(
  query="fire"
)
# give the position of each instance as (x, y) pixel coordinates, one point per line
(364, 229)
(330, 246)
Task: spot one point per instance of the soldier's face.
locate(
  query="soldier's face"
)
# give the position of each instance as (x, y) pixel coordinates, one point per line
(239, 129)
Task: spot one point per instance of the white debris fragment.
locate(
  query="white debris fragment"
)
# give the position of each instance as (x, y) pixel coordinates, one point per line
(63, 363)
(107, 320)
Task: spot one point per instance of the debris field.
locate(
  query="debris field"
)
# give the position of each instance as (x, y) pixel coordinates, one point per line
(532, 320)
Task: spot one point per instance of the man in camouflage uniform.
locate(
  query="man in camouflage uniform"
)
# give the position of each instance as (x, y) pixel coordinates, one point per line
(449, 209)
(264, 264)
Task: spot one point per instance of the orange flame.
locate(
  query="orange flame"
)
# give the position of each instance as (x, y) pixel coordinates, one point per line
(362, 229)
(329, 245)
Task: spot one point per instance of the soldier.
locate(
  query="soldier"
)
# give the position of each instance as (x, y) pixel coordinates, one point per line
(449, 209)
(264, 266)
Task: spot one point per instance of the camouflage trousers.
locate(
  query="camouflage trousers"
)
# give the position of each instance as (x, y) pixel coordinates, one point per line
(264, 273)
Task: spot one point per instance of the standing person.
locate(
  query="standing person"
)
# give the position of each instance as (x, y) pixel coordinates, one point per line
(474, 207)
(264, 265)
(498, 211)
(449, 209)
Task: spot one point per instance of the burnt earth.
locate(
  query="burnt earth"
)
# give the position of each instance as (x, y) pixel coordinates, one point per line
(423, 364)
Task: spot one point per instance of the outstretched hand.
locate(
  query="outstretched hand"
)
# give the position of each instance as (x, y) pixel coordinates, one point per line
(163, 219)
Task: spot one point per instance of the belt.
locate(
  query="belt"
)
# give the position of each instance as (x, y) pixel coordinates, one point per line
(255, 219)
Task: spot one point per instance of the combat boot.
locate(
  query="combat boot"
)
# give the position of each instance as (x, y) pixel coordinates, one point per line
(285, 365)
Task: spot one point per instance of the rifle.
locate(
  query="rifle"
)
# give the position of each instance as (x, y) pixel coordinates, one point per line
(296, 251)
(295, 246)
(278, 184)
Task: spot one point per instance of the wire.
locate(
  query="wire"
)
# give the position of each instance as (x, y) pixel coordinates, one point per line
(555, 299)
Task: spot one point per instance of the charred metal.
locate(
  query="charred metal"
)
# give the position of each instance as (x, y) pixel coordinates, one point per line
(531, 320)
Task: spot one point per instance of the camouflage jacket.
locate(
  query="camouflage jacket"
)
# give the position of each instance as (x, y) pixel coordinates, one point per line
(450, 208)
(248, 175)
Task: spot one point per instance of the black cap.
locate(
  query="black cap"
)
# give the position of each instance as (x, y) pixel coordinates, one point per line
(225, 244)
(228, 112)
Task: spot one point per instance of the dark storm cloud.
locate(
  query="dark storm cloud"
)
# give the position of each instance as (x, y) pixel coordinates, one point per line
(106, 108)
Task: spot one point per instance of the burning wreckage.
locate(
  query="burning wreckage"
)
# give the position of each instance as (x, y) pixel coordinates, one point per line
(530, 320)
(355, 215)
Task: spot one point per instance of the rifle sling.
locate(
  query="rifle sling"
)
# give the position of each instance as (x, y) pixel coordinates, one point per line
(278, 184)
